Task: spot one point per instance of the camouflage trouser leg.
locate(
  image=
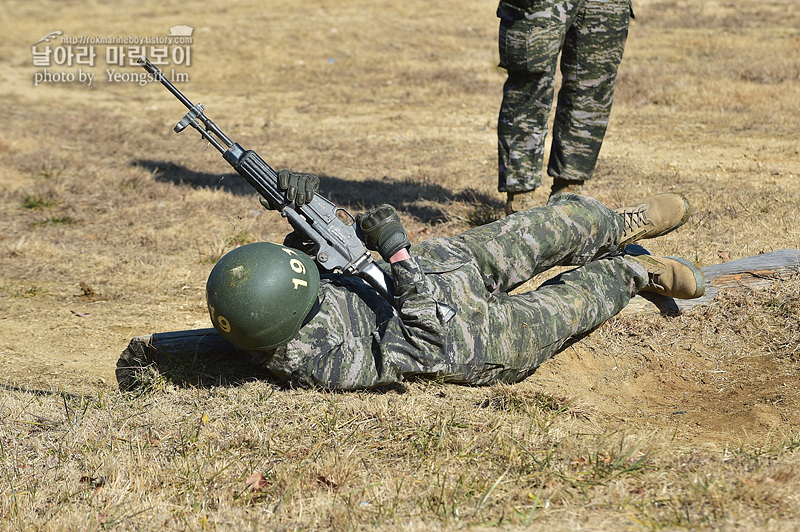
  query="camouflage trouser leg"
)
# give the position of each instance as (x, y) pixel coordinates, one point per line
(532, 34)
(567, 306)
(590, 58)
(529, 43)
(521, 131)
(570, 230)
(532, 327)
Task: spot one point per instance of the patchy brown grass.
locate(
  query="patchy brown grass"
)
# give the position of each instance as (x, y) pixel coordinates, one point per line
(111, 224)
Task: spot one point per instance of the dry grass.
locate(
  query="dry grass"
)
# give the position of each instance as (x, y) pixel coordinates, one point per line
(432, 457)
(111, 224)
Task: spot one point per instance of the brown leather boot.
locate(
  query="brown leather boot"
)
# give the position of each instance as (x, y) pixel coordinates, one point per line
(653, 216)
(561, 186)
(511, 207)
(671, 276)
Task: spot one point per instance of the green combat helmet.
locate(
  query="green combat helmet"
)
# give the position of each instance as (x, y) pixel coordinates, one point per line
(258, 295)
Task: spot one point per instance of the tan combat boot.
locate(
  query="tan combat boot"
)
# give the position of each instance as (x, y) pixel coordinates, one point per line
(560, 186)
(671, 276)
(653, 216)
(510, 208)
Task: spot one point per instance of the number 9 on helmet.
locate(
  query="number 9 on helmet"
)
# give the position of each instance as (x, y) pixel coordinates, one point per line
(258, 295)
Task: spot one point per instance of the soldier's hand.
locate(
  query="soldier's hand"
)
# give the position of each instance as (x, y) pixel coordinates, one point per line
(299, 187)
(382, 230)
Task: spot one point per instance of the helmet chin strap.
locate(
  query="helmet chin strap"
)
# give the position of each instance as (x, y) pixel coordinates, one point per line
(312, 312)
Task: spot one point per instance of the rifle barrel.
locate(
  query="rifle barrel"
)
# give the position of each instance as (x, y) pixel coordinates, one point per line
(150, 67)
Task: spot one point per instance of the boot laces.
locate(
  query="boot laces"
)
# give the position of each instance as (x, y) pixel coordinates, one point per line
(654, 280)
(635, 219)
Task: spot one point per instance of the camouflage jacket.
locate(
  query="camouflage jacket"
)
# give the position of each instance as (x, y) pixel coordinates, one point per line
(357, 340)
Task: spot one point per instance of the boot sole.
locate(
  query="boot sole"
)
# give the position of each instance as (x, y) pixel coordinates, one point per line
(699, 278)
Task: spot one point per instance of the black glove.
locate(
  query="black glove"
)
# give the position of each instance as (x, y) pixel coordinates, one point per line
(298, 242)
(299, 187)
(382, 230)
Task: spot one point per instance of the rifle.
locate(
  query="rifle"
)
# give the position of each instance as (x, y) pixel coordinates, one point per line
(339, 249)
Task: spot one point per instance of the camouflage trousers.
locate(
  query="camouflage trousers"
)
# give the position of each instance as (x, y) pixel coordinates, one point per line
(590, 35)
(501, 337)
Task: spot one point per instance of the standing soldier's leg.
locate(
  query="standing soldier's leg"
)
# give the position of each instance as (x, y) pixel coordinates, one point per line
(521, 132)
(529, 41)
(590, 58)
(571, 229)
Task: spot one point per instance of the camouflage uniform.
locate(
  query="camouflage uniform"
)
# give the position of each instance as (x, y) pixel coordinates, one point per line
(356, 340)
(590, 35)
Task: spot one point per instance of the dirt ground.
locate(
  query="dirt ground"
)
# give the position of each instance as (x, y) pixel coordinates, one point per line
(111, 222)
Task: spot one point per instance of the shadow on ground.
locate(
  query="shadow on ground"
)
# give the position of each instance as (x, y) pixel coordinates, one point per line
(428, 203)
